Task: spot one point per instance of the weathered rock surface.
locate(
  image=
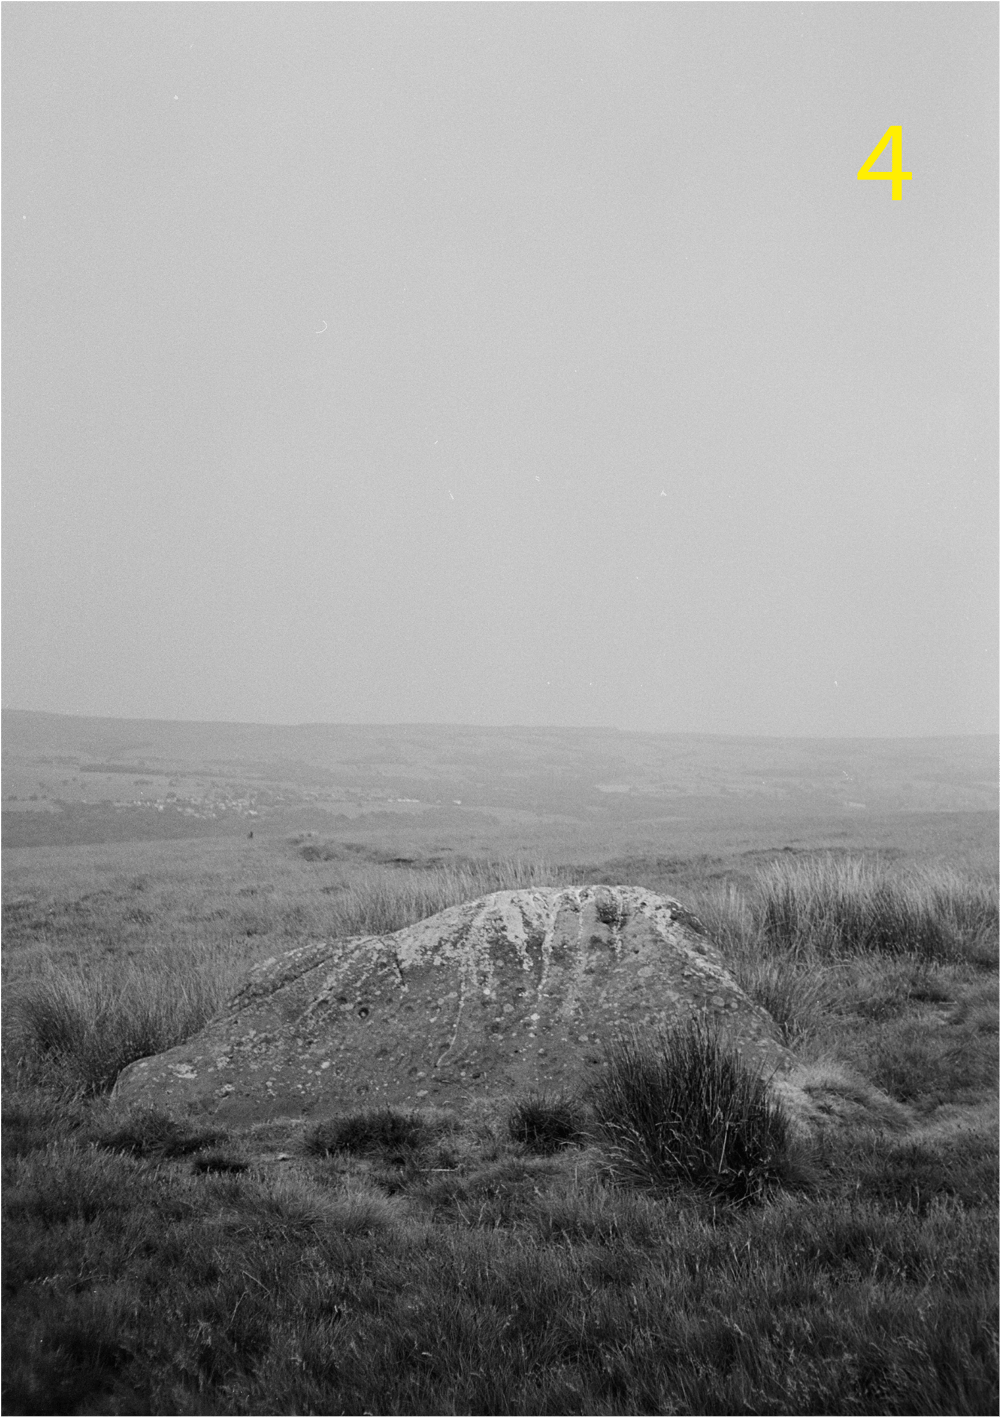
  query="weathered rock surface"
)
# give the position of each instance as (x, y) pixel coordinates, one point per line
(501, 996)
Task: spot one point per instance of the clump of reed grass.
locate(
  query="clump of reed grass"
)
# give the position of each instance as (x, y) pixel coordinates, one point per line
(88, 1026)
(835, 905)
(798, 997)
(683, 1110)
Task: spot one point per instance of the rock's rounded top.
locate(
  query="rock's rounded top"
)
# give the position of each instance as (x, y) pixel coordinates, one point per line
(477, 935)
(515, 991)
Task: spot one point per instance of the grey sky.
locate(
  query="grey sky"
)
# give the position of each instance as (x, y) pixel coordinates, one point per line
(632, 405)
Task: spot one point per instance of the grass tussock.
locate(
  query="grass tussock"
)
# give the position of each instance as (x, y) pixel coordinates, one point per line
(544, 1125)
(88, 1026)
(150, 1132)
(372, 1130)
(686, 1111)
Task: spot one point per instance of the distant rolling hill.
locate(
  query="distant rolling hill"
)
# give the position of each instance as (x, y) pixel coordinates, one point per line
(74, 779)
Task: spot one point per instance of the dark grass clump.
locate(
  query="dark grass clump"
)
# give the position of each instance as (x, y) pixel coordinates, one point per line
(374, 1130)
(156, 1134)
(544, 1125)
(683, 1110)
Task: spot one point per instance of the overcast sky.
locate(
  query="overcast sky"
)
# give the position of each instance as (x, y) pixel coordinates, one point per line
(502, 364)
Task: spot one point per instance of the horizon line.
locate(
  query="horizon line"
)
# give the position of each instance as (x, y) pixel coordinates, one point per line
(496, 728)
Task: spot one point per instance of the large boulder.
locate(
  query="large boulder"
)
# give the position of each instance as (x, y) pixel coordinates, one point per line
(513, 993)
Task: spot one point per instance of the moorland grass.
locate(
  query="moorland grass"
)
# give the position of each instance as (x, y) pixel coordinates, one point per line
(150, 1132)
(378, 900)
(681, 1109)
(453, 1265)
(829, 905)
(157, 1287)
(91, 1025)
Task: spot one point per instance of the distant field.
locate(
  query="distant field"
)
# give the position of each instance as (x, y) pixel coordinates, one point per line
(423, 790)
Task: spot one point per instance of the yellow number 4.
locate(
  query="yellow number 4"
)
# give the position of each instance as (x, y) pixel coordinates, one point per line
(893, 135)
